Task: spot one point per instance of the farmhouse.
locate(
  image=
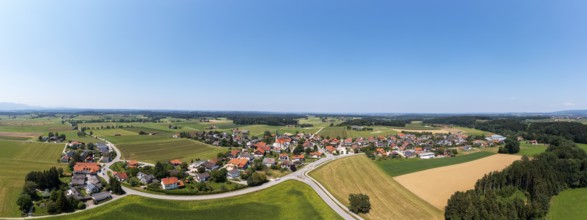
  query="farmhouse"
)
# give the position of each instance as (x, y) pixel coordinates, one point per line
(316, 154)
(86, 168)
(145, 178)
(330, 149)
(122, 176)
(426, 155)
(175, 162)
(241, 163)
(169, 183)
(233, 174)
(268, 161)
(202, 177)
(132, 163)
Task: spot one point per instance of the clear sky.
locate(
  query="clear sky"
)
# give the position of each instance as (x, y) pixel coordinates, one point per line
(296, 56)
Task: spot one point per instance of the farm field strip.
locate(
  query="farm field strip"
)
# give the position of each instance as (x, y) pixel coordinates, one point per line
(183, 149)
(438, 184)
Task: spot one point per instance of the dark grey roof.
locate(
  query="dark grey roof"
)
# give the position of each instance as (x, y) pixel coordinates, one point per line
(101, 196)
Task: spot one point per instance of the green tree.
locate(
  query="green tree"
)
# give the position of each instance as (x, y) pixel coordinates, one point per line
(512, 146)
(30, 188)
(219, 176)
(24, 202)
(159, 171)
(116, 186)
(359, 203)
(256, 179)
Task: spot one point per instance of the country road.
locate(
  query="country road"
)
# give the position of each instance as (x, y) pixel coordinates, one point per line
(299, 175)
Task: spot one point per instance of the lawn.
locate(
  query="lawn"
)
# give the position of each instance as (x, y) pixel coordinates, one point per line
(169, 149)
(470, 131)
(531, 150)
(583, 146)
(17, 158)
(569, 204)
(397, 167)
(389, 199)
(288, 200)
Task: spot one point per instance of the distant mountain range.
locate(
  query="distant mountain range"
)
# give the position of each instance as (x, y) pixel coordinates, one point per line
(18, 107)
(9, 106)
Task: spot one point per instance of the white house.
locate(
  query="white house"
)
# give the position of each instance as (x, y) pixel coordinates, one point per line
(342, 150)
(426, 155)
(169, 183)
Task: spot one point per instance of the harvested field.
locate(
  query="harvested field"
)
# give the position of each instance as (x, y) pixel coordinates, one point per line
(438, 184)
(389, 200)
(438, 131)
(19, 134)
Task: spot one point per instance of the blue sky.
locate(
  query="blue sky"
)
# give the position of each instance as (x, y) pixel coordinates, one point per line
(298, 56)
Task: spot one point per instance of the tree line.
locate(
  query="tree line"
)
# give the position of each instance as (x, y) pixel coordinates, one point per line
(375, 121)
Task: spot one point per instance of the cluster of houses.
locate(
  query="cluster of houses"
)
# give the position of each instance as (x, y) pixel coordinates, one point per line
(409, 145)
(80, 152)
(84, 178)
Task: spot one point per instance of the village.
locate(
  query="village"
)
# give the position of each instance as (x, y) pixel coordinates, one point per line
(251, 162)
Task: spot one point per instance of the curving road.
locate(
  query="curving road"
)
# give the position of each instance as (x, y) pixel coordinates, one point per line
(300, 175)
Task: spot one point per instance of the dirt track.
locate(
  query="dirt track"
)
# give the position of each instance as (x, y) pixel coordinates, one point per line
(438, 184)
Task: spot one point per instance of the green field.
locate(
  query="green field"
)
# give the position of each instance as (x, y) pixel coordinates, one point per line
(569, 205)
(17, 158)
(417, 125)
(342, 132)
(288, 200)
(583, 146)
(154, 150)
(397, 167)
(472, 131)
(531, 150)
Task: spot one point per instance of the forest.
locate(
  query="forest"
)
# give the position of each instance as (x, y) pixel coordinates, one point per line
(524, 189)
(515, 126)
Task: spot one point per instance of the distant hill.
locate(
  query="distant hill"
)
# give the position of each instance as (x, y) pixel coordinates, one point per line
(9, 106)
(572, 112)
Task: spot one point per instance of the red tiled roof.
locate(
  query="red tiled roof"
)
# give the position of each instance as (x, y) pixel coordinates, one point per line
(132, 163)
(330, 149)
(92, 167)
(175, 162)
(122, 175)
(169, 180)
(239, 162)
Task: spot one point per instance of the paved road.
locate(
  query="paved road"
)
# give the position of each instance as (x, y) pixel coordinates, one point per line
(300, 175)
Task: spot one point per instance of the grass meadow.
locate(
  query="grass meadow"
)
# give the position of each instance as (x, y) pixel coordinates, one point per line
(154, 150)
(531, 150)
(288, 200)
(569, 205)
(17, 158)
(398, 167)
